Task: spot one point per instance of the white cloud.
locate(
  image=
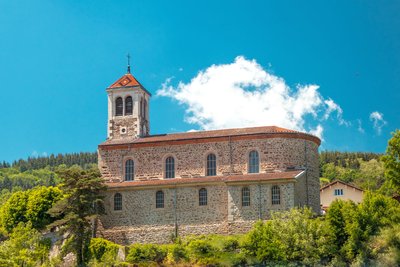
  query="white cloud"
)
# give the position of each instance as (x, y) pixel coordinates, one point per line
(333, 107)
(360, 128)
(243, 94)
(377, 120)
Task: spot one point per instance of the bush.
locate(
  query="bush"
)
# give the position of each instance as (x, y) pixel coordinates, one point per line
(177, 253)
(101, 250)
(230, 244)
(202, 252)
(139, 253)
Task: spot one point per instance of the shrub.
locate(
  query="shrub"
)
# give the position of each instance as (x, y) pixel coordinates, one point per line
(141, 253)
(230, 244)
(202, 252)
(177, 253)
(101, 249)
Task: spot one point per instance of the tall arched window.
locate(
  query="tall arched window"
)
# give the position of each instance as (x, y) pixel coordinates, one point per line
(128, 105)
(245, 196)
(203, 197)
(129, 170)
(119, 107)
(159, 199)
(254, 162)
(211, 165)
(170, 167)
(117, 201)
(276, 195)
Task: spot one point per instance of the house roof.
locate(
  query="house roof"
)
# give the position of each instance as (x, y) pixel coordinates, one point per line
(337, 181)
(127, 80)
(215, 135)
(259, 177)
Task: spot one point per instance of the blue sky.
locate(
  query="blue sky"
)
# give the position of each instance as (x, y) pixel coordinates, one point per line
(57, 58)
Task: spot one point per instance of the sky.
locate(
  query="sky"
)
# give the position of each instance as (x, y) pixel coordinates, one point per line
(327, 68)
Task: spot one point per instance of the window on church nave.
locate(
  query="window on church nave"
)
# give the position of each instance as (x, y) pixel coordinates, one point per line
(119, 107)
(203, 197)
(170, 167)
(245, 196)
(160, 199)
(128, 105)
(117, 201)
(211, 165)
(276, 195)
(254, 162)
(129, 170)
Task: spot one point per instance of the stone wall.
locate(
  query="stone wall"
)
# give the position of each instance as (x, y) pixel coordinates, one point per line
(140, 220)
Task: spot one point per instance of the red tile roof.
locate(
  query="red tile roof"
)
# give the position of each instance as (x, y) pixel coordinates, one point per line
(286, 175)
(337, 181)
(125, 81)
(255, 132)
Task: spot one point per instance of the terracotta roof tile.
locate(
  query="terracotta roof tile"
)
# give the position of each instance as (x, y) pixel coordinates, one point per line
(210, 134)
(224, 179)
(125, 81)
(338, 181)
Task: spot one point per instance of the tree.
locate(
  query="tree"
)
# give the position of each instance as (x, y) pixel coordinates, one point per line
(391, 160)
(81, 205)
(25, 247)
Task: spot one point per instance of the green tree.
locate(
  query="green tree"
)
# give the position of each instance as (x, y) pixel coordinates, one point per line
(77, 210)
(40, 200)
(25, 247)
(391, 160)
(14, 210)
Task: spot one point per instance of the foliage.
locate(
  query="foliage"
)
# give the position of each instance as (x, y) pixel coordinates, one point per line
(392, 160)
(385, 247)
(102, 250)
(25, 247)
(146, 253)
(177, 253)
(80, 206)
(29, 206)
(82, 159)
(353, 226)
(290, 237)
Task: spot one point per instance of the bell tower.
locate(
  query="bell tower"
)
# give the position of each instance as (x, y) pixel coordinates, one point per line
(128, 108)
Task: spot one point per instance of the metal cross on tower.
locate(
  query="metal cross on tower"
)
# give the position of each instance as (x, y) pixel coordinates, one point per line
(129, 62)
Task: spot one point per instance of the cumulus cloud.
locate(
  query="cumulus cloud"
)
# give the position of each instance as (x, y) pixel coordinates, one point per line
(243, 94)
(377, 121)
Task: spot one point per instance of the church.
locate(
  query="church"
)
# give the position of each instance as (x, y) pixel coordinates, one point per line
(206, 182)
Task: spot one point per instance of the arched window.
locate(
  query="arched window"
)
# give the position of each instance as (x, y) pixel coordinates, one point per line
(159, 199)
(119, 107)
(170, 167)
(276, 195)
(245, 196)
(211, 165)
(117, 201)
(254, 162)
(203, 197)
(128, 105)
(129, 170)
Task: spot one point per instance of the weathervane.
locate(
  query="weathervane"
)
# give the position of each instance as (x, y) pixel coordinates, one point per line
(129, 63)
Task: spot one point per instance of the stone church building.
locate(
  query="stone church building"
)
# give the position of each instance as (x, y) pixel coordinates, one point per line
(221, 181)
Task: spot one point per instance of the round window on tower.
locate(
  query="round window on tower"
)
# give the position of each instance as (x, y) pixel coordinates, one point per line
(123, 130)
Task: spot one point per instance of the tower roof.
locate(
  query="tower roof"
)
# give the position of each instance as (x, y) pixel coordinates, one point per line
(127, 80)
